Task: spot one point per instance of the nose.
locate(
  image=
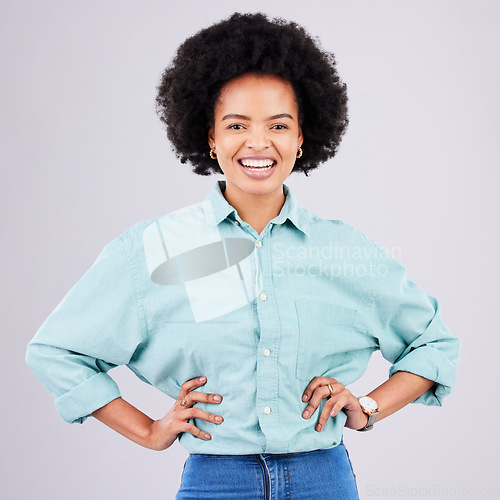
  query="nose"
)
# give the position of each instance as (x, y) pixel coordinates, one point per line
(258, 139)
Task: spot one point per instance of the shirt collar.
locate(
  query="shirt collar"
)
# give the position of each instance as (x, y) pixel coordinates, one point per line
(217, 208)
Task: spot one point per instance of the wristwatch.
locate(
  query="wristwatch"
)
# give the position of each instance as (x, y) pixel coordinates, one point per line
(370, 407)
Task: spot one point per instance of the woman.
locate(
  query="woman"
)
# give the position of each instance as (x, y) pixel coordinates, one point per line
(249, 310)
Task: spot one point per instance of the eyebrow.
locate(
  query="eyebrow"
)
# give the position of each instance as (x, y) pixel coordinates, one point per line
(231, 116)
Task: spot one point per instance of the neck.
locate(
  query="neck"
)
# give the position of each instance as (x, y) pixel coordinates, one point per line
(255, 209)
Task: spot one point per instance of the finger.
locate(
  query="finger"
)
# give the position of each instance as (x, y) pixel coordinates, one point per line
(338, 406)
(314, 384)
(189, 385)
(196, 432)
(345, 399)
(325, 414)
(319, 394)
(331, 408)
(203, 397)
(201, 414)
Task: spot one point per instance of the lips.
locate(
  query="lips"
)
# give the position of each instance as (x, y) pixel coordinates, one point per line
(258, 167)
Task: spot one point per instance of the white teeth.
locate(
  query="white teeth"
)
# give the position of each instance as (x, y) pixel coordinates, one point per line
(257, 163)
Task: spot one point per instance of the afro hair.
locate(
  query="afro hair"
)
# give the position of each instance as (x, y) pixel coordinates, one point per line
(251, 43)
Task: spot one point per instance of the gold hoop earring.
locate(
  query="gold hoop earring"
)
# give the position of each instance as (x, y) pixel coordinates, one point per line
(212, 153)
(299, 152)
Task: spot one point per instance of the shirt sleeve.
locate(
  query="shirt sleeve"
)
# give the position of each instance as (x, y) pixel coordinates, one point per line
(97, 326)
(410, 330)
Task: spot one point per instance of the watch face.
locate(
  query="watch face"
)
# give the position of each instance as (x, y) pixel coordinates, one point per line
(368, 403)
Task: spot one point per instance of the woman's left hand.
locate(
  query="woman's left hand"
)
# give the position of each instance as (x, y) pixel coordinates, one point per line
(342, 399)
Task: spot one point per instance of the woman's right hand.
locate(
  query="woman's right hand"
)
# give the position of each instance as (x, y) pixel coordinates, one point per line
(166, 430)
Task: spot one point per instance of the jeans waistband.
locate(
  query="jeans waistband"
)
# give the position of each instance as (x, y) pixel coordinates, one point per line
(265, 454)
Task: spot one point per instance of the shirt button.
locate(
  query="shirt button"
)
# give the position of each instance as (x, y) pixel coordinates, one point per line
(237, 222)
(267, 410)
(258, 244)
(263, 296)
(267, 352)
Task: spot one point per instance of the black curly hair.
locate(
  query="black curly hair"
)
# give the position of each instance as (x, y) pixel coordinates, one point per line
(251, 43)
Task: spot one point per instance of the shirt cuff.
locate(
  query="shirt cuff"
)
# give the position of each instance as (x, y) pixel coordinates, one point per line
(76, 405)
(432, 364)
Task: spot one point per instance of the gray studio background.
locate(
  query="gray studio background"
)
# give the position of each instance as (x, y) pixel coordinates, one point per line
(84, 157)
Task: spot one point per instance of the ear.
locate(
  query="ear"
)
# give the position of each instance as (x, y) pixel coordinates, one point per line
(211, 136)
(301, 136)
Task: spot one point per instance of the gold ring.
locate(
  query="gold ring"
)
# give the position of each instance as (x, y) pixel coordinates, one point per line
(331, 390)
(183, 402)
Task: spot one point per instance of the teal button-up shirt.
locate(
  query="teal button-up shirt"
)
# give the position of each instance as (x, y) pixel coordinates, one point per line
(199, 292)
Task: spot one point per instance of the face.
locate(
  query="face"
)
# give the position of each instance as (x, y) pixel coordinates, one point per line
(256, 133)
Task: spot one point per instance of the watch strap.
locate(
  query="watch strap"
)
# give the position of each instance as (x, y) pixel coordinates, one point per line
(369, 424)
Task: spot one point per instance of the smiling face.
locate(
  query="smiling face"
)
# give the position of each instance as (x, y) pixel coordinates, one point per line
(256, 133)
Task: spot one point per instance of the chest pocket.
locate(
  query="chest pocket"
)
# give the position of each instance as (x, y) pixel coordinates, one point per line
(329, 337)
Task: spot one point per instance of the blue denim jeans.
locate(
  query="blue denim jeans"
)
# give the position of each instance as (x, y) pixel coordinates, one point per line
(319, 475)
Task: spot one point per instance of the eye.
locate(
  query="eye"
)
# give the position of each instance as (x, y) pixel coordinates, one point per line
(280, 126)
(235, 126)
